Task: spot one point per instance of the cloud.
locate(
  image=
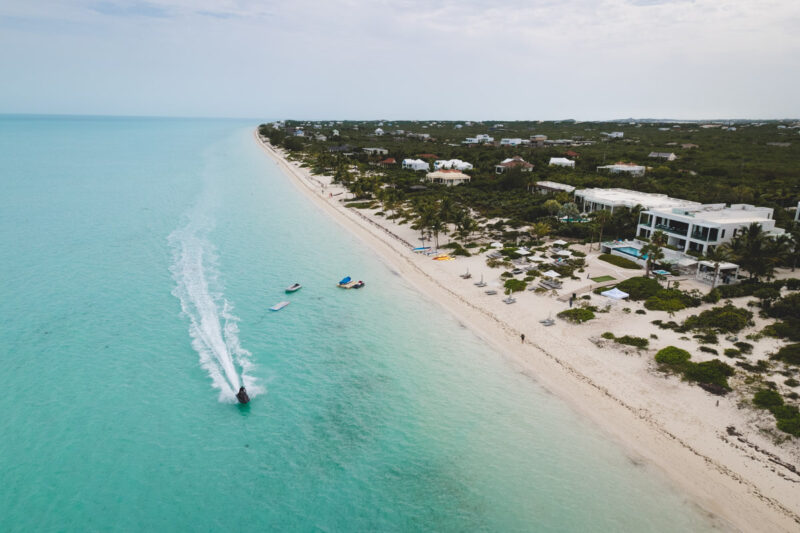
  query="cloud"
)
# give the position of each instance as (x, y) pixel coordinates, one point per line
(411, 58)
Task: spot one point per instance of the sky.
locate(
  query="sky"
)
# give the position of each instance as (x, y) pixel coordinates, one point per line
(406, 59)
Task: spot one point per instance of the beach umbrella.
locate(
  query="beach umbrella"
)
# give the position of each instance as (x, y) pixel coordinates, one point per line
(615, 294)
(496, 245)
(552, 274)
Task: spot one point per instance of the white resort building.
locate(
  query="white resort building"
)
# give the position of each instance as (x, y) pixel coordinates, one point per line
(622, 168)
(416, 164)
(452, 163)
(703, 227)
(547, 187)
(561, 162)
(596, 199)
(447, 177)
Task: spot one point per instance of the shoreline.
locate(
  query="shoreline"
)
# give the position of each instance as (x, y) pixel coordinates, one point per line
(718, 472)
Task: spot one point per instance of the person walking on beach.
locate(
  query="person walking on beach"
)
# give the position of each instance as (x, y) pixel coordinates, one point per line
(522, 337)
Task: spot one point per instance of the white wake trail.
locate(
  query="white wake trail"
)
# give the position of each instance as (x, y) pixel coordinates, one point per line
(212, 324)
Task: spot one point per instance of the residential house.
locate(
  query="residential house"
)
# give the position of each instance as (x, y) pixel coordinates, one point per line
(389, 161)
(452, 163)
(511, 142)
(570, 153)
(378, 131)
(416, 164)
(596, 199)
(320, 137)
(561, 162)
(614, 134)
(552, 187)
(447, 177)
(668, 156)
(375, 151)
(702, 228)
(513, 162)
(622, 168)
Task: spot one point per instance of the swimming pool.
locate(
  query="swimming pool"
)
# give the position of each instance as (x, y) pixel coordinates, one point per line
(630, 250)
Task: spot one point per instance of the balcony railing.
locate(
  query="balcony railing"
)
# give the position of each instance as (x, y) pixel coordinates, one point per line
(677, 231)
(698, 236)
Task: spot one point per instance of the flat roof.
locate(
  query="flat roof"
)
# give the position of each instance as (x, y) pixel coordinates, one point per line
(719, 213)
(555, 185)
(629, 198)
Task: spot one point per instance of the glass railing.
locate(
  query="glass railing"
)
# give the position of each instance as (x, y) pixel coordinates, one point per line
(696, 235)
(678, 231)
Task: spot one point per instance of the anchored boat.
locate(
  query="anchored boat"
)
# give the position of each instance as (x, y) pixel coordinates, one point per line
(294, 287)
(278, 306)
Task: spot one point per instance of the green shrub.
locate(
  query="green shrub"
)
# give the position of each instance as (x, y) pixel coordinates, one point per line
(788, 306)
(745, 347)
(577, 315)
(791, 382)
(760, 367)
(619, 261)
(708, 350)
(608, 335)
(670, 300)
(712, 297)
(360, 205)
(767, 398)
(641, 312)
(630, 340)
(789, 354)
(640, 287)
(457, 249)
(510, 253)
(790, 425)
(515, 285)
(726, 318)
(732, 352)
(672, 357)
(707, 337)
(714, 372)
(788, 328)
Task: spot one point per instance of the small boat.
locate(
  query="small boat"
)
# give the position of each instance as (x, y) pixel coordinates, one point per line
(466, 275)
(481, 283)
(278, 306)
(294, 287)
(348, 283)
(242, 396)
(509, 300)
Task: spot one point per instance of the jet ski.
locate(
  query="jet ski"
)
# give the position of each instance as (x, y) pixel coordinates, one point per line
(242, 395)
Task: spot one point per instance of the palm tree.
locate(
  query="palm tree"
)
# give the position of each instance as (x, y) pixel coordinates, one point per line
(654, 254)
(602, 218)
(718, 255)
(569, 210)
(794, 244)
(659, 238)
(539, 230)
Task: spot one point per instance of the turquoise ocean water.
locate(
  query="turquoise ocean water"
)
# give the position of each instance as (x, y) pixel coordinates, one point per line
(138, 260)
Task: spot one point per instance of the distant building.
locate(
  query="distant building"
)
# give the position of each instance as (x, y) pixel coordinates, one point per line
(689, 146)
(335, 133)
(448, 177)
(299, 133)
(570, 153)
(561, 162)
(614, 134)
(341, 148)
(389, 161)
(511, 142)
(376, 151)
(416, 164)
(598, 199)
(452, 163)
(320, 137)
(428, 156)
(668, 156)
(513, 162)
(378, 131)
(702, 228)
(623, 168)
(547, 187)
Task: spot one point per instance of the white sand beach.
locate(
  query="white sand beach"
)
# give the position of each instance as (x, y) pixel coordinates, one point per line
(712, 448)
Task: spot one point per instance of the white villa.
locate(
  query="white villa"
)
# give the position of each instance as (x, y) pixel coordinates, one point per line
(416, 164)
(447, 177)
(667, 156)
(701, 228)
(478, 139)
(618, 168)
(511, 142)
(452, 163)
(375, 151)
(378, 131)
(513, 162)
(561, 162)
(590, 200)
(546, 187)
